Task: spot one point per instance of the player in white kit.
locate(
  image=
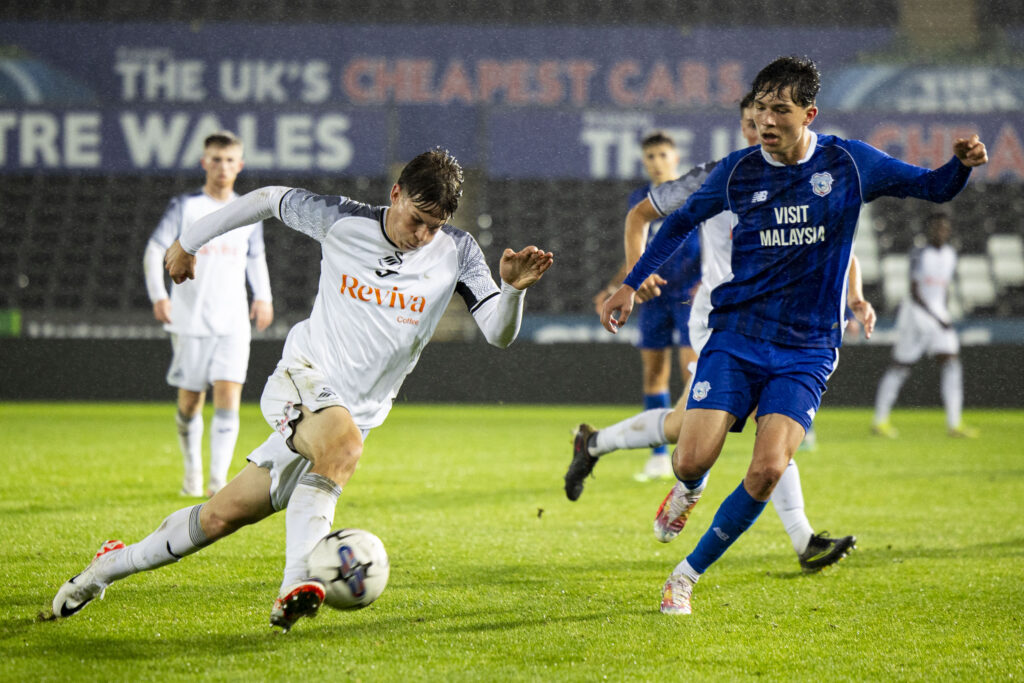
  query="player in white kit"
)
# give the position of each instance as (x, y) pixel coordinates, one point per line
(924, 326)
(208, 317)
(386, 277)
(662, 426)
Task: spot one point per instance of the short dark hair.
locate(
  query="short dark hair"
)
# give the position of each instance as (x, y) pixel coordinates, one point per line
(658, 137)
(747, 101)
(799, 74)
(433, 181)
(222, 138)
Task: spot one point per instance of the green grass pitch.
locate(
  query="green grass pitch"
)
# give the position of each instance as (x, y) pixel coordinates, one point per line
(496, 576)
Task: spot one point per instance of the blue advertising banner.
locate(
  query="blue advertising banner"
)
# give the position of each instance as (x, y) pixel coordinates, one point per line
(514, 101)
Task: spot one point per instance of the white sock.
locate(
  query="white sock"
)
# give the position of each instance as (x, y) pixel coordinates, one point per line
(888, 389)
(644, 430)
(788, 500)
(179, 535)
(190, 437)
(223, 436)
(686, 570)
(309, 518)
(953, 391)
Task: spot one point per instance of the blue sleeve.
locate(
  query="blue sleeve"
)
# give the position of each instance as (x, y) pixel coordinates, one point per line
(708, 201)
(884, 176)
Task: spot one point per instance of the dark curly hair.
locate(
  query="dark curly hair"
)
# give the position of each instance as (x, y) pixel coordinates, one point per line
(433, 181)
(799, 74)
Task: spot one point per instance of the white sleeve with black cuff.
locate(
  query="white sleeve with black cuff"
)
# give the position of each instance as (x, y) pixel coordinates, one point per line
(258, 205)
(499, 317)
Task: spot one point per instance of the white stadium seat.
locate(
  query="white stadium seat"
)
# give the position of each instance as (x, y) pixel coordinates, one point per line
(1007, 254)
(977, 289)
(895, 279)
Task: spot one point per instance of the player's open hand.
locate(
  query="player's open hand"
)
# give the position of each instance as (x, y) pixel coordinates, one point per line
(970, 151)
(617, 309)
(162, 311)
(650, 288)
(523, 268)
(262, 312)
(180, 264)
(865, 314)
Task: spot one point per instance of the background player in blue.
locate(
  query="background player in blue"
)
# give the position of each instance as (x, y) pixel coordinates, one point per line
(664, 317)
(778, 322)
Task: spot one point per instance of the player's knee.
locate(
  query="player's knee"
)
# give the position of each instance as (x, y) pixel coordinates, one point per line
(763, 475)
(337, 451)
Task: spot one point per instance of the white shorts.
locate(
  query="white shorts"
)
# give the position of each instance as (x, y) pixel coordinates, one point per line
(918, 333)
(286, 390)
(200, 361)
(291, 387)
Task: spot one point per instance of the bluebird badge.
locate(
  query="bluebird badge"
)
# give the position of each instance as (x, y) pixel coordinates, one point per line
(821, 183)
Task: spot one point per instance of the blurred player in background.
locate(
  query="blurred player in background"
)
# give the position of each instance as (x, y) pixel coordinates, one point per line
(778, 322)
(923, 325)
(661, 426)
(208, 317)
(665, 315)
(386, 277)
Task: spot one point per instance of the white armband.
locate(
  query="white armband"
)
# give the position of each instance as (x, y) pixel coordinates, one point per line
(255, 206)
(500, 316)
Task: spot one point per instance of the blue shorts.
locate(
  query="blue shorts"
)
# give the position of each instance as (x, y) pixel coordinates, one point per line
(735, 373)
(664, 322)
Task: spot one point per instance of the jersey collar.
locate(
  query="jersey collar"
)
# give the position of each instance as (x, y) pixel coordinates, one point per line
(807, 157)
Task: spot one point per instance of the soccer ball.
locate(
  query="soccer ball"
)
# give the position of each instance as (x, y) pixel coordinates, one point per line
(353, 566)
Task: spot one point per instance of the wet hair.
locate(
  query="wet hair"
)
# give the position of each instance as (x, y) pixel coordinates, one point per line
(222, 138)
(658, 137)
(799, 74)
(747, 101)
(433, 181)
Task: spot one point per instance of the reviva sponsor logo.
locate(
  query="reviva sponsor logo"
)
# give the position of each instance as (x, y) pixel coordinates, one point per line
(390, 298)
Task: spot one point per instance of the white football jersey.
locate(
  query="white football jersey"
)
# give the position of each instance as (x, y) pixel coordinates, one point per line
(215, 302)
(377, 306)
(931, 269)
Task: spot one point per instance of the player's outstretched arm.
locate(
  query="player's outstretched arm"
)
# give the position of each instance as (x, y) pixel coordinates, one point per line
(521, 269)
(970, 151)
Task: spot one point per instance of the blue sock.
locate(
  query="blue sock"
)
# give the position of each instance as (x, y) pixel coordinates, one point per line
(652, 401)
(691, 484)
(734, 516)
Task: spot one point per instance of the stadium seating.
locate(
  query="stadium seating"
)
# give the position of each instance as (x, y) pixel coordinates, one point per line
(75, 243)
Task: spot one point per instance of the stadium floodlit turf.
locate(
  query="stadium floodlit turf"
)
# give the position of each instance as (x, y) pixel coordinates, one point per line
(496, 576)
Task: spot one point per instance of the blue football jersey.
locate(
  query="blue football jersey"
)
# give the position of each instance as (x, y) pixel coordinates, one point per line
(794, 235)
(682, 269)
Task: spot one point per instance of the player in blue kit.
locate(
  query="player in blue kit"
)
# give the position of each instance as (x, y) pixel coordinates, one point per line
(778, 323)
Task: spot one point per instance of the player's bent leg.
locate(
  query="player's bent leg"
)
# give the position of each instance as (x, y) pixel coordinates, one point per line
(333, 443)
(244, 500)
(778, 437)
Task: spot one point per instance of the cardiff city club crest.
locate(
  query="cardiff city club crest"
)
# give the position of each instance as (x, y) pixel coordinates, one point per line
(700, 390)
(821, 183)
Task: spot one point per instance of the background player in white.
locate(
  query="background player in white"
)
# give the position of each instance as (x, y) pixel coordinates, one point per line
(923, 325)
(663, 321)
(386, 277)
(208, 317)
(661, 426)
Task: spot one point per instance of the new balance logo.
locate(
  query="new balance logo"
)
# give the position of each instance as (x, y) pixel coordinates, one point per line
(721, 534)
(759, 196)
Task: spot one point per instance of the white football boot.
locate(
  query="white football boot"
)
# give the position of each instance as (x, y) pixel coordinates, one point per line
(83, 588)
